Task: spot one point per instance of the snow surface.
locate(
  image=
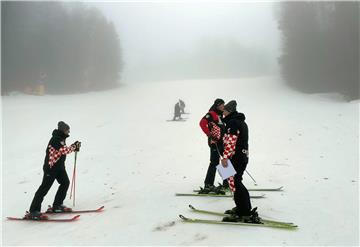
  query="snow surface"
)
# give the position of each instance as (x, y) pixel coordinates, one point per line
(133, 161)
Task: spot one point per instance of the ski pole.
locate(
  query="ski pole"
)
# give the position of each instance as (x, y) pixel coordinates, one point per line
(217, 148)
(251, 177)
(72, 191)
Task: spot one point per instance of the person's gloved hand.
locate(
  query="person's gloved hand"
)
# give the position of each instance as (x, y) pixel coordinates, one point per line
(77, 146)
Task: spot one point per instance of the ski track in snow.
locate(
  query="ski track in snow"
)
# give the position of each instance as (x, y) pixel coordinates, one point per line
(133, 161)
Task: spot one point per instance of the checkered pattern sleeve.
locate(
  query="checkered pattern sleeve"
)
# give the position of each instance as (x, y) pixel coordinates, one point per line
(231, 182)
(229, 145)
(215, 131)
(54, 155)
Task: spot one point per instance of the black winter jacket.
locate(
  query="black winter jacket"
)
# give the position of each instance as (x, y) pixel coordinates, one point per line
(236, 128)
(56, 151)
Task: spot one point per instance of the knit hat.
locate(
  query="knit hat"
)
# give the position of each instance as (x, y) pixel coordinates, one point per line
(231, 106)
(218, 102)
(63, 126)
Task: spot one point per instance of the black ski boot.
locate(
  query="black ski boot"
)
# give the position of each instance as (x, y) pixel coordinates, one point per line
(233, 218)
(252, 218)
(224, 187)
(220, 190)
(36, 215)
(207, 189)
(60, 209)
(230, 211)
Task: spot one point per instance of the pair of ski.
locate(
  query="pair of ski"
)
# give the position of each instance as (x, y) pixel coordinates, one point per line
(259, 189)
(264, 222)
(216, 195)
(177, 120)
(77, 216)
(229, 195)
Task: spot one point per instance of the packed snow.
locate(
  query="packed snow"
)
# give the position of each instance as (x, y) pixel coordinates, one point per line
(133, 162)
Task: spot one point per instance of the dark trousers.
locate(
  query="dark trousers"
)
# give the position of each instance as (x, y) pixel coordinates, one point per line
(59, 173)
(214, 161)
(241, 194)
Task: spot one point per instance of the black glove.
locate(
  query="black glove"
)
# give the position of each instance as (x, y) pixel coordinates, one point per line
(77, 146)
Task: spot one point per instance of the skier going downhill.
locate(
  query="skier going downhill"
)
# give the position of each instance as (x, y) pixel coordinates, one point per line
(54, 169)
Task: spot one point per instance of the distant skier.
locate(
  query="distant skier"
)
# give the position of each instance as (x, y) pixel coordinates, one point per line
(177, 112)
(213, 127)
(182, 106)
(54, 168)
(236, 149)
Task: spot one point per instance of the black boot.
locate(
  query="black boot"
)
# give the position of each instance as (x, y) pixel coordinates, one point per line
(207, 189)
(60, 209)
(221, 189)
(35, 215)
(252, 218)
(230, 211)
(233, 218)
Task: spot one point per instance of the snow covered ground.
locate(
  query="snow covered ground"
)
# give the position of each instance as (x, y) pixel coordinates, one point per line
(133, 161)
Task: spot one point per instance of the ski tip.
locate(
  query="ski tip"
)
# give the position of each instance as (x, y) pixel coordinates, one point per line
(76, 217)
(182, 217)
(290, 227)
(101, 208)
(191, 206)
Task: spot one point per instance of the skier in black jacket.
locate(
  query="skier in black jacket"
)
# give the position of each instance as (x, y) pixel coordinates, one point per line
(236, 149)
(177, 111)
(54, 168)
(182, 106)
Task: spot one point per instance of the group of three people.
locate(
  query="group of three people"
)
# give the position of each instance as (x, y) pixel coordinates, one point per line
(228, 137)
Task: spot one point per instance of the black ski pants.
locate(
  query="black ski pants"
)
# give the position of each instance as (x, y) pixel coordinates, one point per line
(241, 194)
(59, 173)
(214, 161)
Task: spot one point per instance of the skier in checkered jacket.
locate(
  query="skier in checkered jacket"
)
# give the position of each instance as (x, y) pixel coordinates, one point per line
(54, 169)
(236, 149)
(213, 127)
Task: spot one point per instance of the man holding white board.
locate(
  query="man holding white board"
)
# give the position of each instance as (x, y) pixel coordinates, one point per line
(236, 150)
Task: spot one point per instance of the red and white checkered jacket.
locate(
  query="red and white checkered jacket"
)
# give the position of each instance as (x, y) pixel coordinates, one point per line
(229, 150)
(229, 145)
(55, 155)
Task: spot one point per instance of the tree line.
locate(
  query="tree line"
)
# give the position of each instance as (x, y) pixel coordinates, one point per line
(320, 46)
(57, 47)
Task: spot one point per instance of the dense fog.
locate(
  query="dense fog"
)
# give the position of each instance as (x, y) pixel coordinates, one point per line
(69, 47)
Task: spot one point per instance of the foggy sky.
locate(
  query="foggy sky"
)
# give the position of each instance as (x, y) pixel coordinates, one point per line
(151, 33)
